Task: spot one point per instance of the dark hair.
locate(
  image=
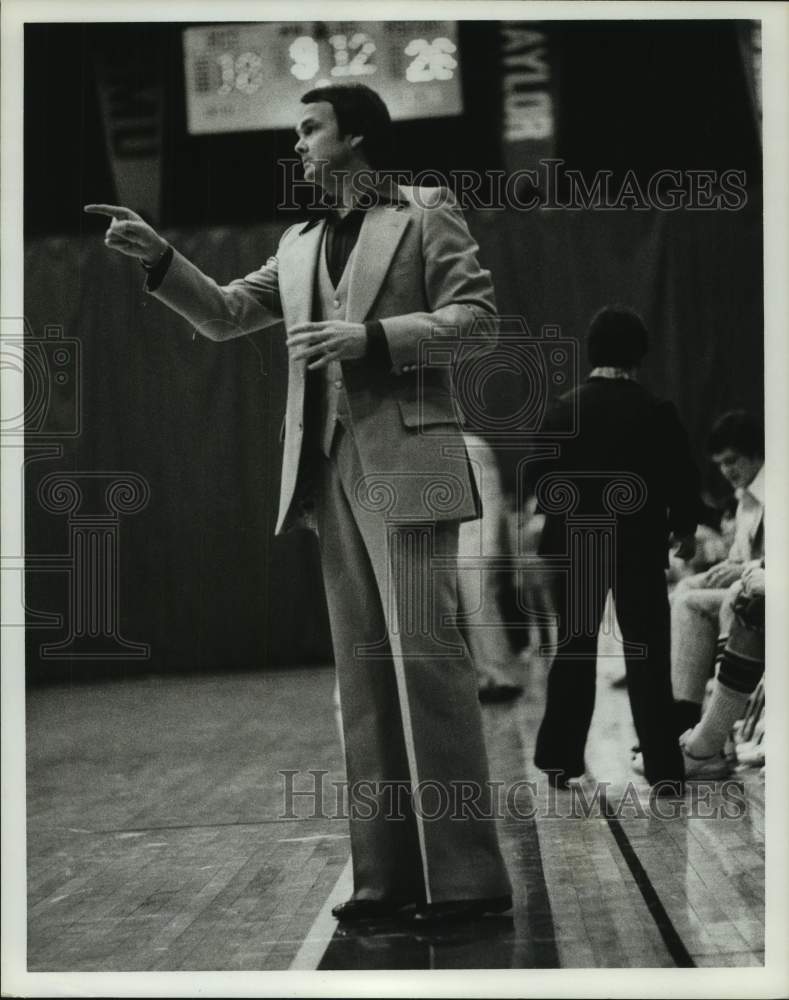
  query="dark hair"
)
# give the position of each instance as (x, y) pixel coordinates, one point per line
(617, 336)
(740, 431)
(359, 111)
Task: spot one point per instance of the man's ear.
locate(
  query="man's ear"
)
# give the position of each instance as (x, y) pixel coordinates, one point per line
(356, 140)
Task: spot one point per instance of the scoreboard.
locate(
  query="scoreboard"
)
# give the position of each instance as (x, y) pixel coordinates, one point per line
(251, 76)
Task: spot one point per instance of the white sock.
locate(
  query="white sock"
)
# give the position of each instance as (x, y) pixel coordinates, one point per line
(724, 708)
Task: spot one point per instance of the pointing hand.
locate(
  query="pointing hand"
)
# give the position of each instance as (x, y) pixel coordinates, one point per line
(129, 234)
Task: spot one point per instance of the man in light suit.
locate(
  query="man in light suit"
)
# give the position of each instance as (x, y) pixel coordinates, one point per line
(374, 461)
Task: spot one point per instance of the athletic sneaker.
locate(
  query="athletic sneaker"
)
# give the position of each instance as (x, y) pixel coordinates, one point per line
(704, 768)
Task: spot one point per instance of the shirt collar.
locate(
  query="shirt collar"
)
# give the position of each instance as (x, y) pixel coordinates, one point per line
(383, 190)
(756, 487)
(610, 371)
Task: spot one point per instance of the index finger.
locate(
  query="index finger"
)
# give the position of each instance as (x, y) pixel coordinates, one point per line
(309, 337)
(114, 211)
(312, 327)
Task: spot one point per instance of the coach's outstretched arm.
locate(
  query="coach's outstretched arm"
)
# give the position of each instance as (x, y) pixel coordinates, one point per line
(216, 312)
(130, 234)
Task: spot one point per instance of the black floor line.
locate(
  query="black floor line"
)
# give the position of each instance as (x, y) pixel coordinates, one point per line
(673, 942)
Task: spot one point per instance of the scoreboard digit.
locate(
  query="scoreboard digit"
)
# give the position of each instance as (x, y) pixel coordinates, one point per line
(250, 76)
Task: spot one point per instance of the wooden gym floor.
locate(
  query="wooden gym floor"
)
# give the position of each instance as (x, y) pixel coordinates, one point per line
(156, 841)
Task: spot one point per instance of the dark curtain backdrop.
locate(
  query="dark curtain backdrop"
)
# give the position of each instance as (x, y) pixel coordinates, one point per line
(203, 580)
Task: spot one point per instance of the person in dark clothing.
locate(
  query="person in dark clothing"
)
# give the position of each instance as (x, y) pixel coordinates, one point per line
(620, 492)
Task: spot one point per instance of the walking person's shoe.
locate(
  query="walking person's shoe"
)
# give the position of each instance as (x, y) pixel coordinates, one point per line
(495, 684)
(491, 691)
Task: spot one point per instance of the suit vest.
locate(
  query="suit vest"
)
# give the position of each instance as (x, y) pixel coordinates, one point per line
(330, 303)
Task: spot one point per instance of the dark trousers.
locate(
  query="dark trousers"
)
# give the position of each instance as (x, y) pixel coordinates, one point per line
(642, 609)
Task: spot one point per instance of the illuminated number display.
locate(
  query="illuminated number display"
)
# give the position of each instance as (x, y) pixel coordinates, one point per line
(432, 60)
(305, 56)
(352, 55)
(241, 73)
(251, 76)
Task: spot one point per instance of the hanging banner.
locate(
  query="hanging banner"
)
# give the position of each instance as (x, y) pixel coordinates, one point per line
(527, 86)
(749, 36)
(129, 83)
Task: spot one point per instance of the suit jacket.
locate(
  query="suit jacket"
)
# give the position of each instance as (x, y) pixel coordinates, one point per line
(627, 436)
(415, 269)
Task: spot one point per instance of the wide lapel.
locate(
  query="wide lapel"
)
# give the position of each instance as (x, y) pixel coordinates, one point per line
(379, 237)
(297, 268)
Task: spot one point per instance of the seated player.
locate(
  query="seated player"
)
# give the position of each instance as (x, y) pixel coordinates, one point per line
(700, 611)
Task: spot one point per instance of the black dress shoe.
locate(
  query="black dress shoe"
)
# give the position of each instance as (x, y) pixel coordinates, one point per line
(560, 778)
(369, 909)
(455, 910)
(491, 691)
